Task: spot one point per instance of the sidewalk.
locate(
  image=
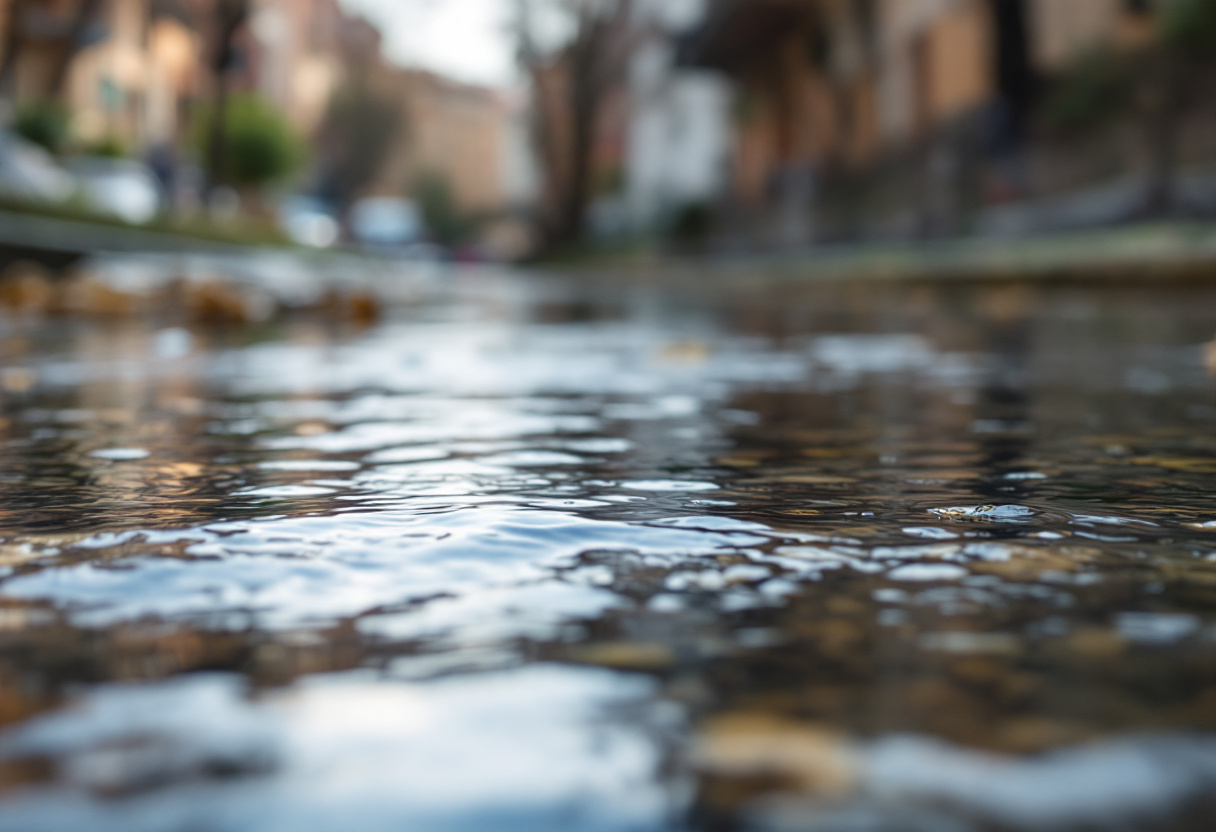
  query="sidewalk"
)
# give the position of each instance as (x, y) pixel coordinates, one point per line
(1152, 251)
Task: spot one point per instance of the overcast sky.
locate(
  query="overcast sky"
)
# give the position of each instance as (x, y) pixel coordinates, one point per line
(465, 39)
(471, 39)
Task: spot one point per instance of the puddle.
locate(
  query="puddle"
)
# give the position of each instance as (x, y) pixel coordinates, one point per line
(528, 554)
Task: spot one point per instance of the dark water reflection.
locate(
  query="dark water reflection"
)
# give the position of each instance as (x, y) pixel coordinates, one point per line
(540, 555)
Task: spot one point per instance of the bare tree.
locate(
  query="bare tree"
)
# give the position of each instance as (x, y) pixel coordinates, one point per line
(570, 86)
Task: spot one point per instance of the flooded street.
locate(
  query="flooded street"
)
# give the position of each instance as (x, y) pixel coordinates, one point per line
(533, 553)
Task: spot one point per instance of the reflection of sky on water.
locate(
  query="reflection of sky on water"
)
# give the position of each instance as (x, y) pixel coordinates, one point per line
(506, 560)
(532, 749)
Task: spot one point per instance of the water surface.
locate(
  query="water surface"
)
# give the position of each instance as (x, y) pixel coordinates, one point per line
(568, 554)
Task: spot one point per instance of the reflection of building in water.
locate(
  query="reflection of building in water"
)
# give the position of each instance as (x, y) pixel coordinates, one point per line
(297, 51)
(156, 457)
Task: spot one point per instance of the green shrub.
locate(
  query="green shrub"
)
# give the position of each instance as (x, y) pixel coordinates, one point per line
(1094, 89)
(357, 135)
(44, 123)
(111, 147)
(442, 216)
(260, 146)
(692, 224)
(1189, 28)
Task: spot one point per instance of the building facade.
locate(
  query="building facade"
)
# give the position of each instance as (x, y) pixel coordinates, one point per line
(828, 89)
(677, 141)
(134, 69)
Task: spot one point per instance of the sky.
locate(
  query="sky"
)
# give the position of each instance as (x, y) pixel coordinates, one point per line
(464, 39)
(470, 40)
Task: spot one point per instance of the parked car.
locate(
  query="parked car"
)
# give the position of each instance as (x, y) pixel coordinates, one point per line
(28, 172)
(124, 188)
(385, 222)
(308, 222)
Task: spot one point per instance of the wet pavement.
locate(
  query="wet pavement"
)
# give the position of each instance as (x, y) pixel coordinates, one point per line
(540, 554)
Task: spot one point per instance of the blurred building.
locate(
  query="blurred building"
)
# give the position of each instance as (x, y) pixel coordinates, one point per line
(456, 133)
(677, 139)
(137, 83)
(634, 138)
(298, 58)
(134, 73)
(897, 117)
(124, 68)
(133, 69)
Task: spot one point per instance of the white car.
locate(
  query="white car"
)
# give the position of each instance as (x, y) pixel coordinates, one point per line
(308, 222)
(124, 188)
(385, 222)
(29, 172)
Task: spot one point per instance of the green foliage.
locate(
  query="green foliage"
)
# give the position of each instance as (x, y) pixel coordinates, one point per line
(1092, 92)
(609, 180)
(357, 135)
(44, 123)
(745, 110)
(260, 146)
(111, 147)
(1188, 27)
(250, 231)
(439, 210)
(692, 224)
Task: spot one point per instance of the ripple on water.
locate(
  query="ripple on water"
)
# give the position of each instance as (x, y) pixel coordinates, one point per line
(348, 751)
(988, 513)
(324, 568)
(309, 465)
(287, 491)
(927, 572)
(409, 546)
(121, 454)
(668, 485)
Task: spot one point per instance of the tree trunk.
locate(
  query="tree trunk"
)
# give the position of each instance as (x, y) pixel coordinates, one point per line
(13, 43)
(217, 138)
(86, 12)
(567, 120)
(586, 96)
(230, 16)
(1163, 124)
